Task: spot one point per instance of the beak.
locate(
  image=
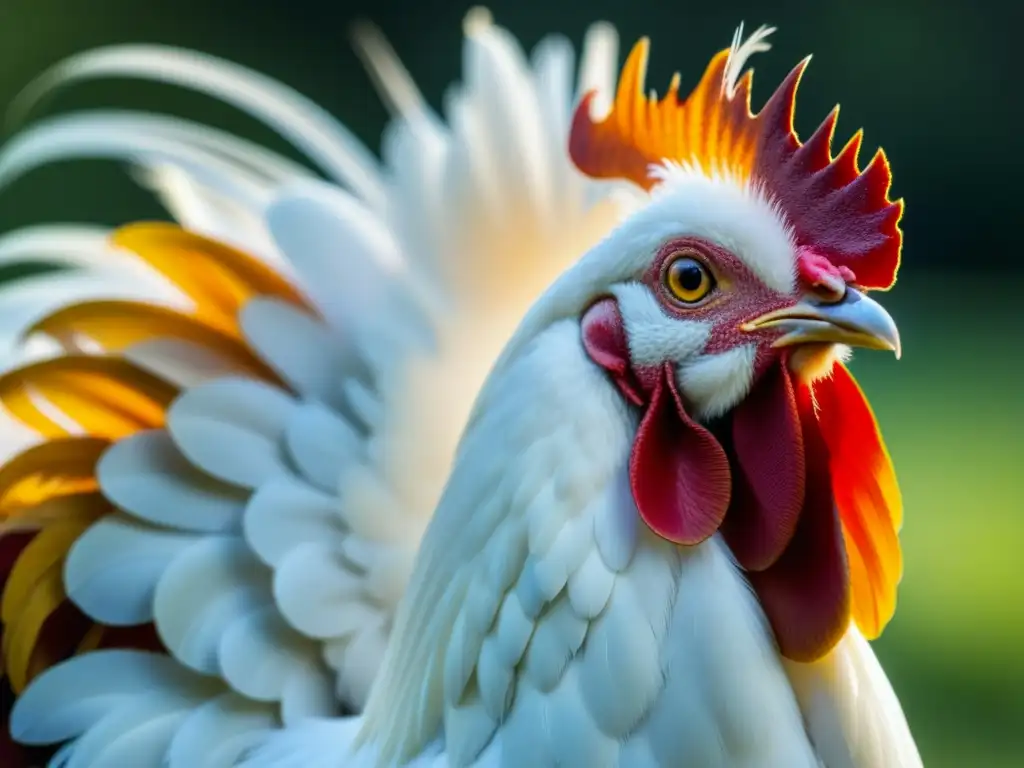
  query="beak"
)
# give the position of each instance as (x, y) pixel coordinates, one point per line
(855, 320)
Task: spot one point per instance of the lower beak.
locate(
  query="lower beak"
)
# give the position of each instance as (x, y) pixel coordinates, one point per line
(856, 321)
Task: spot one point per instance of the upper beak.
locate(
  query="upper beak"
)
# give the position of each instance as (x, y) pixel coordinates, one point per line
(855, 320)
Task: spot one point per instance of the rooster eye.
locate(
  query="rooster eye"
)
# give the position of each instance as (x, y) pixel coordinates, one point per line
(687, 280)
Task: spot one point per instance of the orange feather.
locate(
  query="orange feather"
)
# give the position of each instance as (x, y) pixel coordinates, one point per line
(867, 496)
(104, 396)
(117, 325)
(217, 277)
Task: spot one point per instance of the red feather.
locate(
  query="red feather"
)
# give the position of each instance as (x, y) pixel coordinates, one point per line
(867, 495)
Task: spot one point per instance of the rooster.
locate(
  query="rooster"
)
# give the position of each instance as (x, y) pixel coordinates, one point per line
(533, 445)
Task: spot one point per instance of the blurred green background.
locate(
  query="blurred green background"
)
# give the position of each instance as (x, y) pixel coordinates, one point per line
(932, 82)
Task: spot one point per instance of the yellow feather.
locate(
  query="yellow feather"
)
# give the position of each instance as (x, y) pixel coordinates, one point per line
(91, 640)
(21, 635)
(116, 325)
(48, 549)
(55, 468)
(104, 396)
(217, 277)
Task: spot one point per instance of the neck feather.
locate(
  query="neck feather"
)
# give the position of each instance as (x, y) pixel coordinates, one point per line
(552, 435)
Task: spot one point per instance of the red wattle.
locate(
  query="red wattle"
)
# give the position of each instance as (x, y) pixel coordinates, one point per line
(768, 472)
(771, 495)
(678, 472)
(805, 594)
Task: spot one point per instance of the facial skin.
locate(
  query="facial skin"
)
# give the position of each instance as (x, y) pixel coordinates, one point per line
(699, 307)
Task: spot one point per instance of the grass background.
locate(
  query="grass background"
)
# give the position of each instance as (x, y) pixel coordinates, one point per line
(951, 411)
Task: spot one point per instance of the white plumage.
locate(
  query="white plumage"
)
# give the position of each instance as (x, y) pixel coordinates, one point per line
(271, 532)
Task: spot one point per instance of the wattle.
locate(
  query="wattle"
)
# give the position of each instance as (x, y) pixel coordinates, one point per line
(763, 481)
(763, 478)
(782, 524)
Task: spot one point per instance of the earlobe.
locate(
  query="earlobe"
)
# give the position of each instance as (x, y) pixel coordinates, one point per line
(604, 339)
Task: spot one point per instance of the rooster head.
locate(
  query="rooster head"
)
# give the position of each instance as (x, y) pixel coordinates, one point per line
(723, 308)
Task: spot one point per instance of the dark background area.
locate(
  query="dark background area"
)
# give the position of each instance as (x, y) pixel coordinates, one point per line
(934, 83)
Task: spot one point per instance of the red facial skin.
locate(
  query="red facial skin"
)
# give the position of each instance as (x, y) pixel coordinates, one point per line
(739, 297)
(753, 480)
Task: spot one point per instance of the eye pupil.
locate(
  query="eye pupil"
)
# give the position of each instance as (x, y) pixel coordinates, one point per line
(690, 277)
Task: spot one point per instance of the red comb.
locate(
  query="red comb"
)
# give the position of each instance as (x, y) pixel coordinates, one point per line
(839, 212)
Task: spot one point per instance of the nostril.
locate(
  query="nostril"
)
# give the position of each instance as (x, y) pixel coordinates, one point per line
(828, 293)
(821, 279)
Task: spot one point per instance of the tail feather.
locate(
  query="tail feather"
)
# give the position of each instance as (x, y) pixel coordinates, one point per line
(185, 466)
(253, 411)
(292, 115)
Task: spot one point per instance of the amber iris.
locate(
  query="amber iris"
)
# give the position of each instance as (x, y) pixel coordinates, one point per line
(688, 280)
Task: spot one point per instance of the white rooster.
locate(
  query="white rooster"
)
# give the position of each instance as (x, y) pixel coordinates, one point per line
(298, 485)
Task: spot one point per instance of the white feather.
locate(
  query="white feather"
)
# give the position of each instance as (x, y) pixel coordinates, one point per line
(101, 680)
(597, 69)
(183, 363)
(590, 586)
(416, 208)
(203, 209)
(315, 590)
(739, 54)
(351, 268)
(306, 353)
(309, 694)
(148, 477)
(361, 659)
(138, 731)
(259, 654)
(203, 591)
(853, 715)
(113, 569)
(251, 158)
(285, 513)
(552, 62)
(216, 733)
(57, 243)
(394, 84)
(81, 136)
(322, 445)
(292, 115)
(371, 506)
(232, 429)
(35, 297)
(364, 402)
(505, 101)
